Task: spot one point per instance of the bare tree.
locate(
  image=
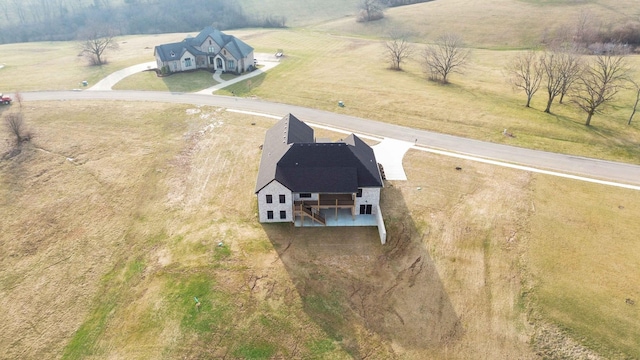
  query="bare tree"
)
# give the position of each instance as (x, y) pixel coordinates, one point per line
(370, 10)
(17, 96)
(636, 88)
(445, 56)
(95, 41)
(15, 125)
(553, 73)
(561, 68)
(600, 82)
(571, 66)
(525, 73)
(398, 49)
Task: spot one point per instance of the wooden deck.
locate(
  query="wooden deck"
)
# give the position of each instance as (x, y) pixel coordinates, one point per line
(311, 208)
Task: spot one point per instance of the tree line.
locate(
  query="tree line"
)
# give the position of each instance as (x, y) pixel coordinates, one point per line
(60, 20)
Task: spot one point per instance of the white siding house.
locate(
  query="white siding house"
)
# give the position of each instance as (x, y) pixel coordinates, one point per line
(275, 203)
(313, 183)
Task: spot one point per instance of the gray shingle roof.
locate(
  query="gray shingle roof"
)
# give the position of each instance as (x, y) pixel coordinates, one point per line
(174, 51)
(292, 157)
(236, 47)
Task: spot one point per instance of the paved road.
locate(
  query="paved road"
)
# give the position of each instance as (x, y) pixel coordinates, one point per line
(598, 169)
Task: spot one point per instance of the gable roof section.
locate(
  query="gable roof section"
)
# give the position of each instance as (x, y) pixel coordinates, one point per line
(238, 48)
(177, 49)
(292, 157)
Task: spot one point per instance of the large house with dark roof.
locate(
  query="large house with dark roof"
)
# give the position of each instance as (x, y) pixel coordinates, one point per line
(313, 182)
(211, 49)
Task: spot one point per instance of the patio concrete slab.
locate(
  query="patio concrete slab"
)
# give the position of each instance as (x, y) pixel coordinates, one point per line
(344, 219)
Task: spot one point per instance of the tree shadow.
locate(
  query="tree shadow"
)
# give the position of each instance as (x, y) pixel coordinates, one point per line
(372, 298)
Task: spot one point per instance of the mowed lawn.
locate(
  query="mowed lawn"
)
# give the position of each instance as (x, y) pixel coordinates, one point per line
(585, 263)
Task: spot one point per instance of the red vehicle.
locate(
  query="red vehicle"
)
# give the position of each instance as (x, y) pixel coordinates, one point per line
(5, 100)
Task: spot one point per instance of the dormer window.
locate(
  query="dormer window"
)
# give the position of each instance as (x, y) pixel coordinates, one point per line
(173, 54)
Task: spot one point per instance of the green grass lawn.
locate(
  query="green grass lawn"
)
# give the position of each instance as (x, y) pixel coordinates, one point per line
(585, 262)
(186, 82)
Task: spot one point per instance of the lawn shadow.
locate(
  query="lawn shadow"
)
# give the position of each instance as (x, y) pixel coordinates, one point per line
(372, 298)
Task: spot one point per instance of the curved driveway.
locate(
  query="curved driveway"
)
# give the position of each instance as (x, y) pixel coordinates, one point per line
(582, 166)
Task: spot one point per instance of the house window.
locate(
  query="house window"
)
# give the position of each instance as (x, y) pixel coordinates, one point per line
(209, 41)
(305, 195)
(210, 60)
(283, 214)
(359, 193)
(212, 49)
(282, 199)
(231, 64)
(187, 62)
(270, 215)
(269, 199)
(366, 209)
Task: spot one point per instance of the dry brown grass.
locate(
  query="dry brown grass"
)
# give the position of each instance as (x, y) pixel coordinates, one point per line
(115, 220)
(114, 211)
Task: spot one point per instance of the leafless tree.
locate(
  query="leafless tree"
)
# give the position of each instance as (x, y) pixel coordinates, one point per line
(95, 41)
(571, 67)
(585, 28)
(398, 49)
(561, 68)
(636, 88)
(551, 66)
(525, 73)
(15, 125)
(5, 10)
(601, 80)
(445, 56)
(17, 96)
(370, 10)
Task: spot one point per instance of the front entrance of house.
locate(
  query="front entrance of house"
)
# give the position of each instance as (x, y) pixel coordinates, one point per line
(219, 65)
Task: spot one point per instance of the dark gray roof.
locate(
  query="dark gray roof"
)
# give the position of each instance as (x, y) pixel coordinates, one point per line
(236, 47)
(292, 157)
(174, 51)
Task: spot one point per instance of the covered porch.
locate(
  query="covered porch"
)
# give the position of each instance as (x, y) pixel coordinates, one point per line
(325, 207)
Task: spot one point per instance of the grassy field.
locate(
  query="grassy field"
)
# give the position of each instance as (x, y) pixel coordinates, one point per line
(118, 221)
(492, 24)
(118, 217)
(478, 104)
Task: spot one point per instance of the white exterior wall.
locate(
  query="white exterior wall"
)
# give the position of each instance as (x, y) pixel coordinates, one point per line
(370, 196)
(275, 189)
